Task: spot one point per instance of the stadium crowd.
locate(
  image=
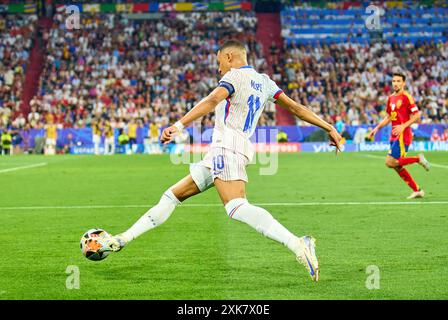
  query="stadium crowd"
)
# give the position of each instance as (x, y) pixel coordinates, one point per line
(329, 64)
(144, 70)
(352, 81)
(16, 40)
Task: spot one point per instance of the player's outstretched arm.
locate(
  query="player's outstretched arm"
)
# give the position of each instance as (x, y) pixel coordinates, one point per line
(309, 116)
(204, 107)
(383, 123)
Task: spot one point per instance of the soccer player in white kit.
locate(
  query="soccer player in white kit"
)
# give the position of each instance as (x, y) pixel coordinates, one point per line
(238, 102)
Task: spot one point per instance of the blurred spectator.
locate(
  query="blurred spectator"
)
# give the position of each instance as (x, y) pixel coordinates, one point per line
(340, 125)
(25, 135)
(123, 140)
(444, 136)
(51, 136)
(132, 134)
(282, 137)
(109, 138)
(6, 142)
(435, 135)
(154, 70)
(353, 80)
(96, 135)
(16, 141)
(150, 72)
(151, 141)
(360, 135)
(16, 33)
(68, 144)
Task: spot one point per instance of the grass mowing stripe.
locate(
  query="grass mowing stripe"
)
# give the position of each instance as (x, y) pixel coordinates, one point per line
(277, 204)
(202, 254)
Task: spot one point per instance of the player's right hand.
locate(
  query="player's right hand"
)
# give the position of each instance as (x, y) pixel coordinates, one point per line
(168, 134)
(373, 133)
(335, 139)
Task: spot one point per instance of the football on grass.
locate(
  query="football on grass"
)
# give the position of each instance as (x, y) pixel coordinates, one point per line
(93, 245)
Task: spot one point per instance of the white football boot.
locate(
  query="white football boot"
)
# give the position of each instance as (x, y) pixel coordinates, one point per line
(417, 194)
(423, 162)
(116, 243)
(308, 257)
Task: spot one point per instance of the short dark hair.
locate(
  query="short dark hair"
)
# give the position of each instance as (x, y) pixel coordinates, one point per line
(233, 44)
(399, 73)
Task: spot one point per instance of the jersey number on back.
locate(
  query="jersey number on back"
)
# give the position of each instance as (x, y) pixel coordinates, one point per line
(254, 104)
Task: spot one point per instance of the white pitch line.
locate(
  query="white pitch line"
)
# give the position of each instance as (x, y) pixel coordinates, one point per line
(379, 157)
(24, 167)
(292, 204)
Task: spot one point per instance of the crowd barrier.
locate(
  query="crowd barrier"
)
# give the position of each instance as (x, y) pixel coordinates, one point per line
(83, 136)
(288, 147)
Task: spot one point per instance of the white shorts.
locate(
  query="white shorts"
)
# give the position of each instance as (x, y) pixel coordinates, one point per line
(221, 163)
(50, 142)
(110, 140)
(96, 139)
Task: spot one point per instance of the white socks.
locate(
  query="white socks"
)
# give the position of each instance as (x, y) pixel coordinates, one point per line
(262, 221)
(153, 217)
(239, 209)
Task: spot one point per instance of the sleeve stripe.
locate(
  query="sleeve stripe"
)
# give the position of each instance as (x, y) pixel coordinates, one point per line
(277, 94)
(414, 109)
(410, 98)
(227, 86)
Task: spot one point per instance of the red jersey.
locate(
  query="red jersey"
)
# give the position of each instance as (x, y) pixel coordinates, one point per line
(400, 107)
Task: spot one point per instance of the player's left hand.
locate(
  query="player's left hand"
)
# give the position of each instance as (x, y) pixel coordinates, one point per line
(335, 139)
(168, 134)
(397, 130)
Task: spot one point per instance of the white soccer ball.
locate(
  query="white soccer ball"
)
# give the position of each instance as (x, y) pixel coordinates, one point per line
(93, 244)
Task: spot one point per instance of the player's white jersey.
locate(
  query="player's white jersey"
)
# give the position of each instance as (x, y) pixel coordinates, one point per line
(236, 117)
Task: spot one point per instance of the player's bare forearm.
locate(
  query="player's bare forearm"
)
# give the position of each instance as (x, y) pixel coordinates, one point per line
(309, 116)
(302, 112)
(383, 123)
(205, 106)
(397, 130)
(413, 119)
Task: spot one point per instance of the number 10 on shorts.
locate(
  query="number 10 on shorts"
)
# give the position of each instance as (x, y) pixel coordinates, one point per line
(218, 163)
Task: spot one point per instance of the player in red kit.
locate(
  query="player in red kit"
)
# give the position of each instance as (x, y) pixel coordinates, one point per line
(402, 112)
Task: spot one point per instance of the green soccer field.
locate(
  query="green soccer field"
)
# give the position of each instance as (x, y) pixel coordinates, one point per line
(352, 204)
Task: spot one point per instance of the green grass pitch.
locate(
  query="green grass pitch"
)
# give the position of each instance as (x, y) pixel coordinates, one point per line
(199, 253)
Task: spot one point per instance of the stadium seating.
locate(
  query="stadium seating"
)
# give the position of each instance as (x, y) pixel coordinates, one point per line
(308, 25)
(153, 70)
(16, 32)
(332, 64)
